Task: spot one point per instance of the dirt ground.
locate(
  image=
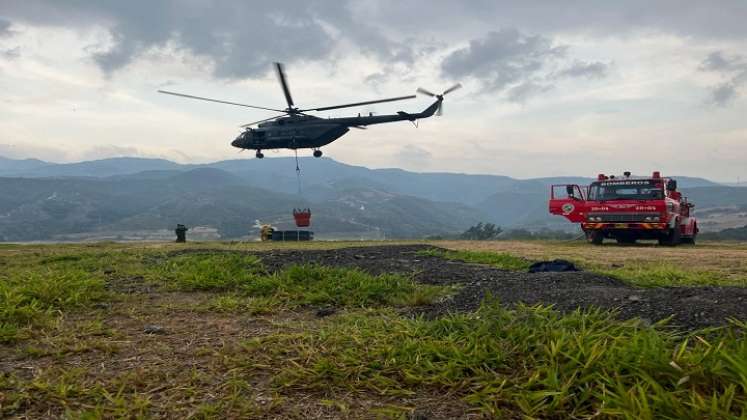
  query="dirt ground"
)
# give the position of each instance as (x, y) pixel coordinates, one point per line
(192, 352)
(688, 307)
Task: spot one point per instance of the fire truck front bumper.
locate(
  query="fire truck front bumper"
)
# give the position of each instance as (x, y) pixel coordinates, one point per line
(623, 226)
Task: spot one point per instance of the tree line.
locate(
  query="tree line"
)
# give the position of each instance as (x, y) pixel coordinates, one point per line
(490, 231)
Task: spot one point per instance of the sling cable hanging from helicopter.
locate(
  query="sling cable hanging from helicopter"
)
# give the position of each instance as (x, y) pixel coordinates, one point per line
(298, 174)
(302, 216)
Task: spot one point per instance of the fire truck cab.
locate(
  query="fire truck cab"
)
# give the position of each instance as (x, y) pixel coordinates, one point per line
(627, 209)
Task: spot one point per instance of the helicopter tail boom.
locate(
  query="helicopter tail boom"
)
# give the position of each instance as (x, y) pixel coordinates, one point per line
(365, 120)
(428, 112)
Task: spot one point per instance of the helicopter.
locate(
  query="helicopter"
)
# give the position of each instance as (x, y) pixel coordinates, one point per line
(295, 129)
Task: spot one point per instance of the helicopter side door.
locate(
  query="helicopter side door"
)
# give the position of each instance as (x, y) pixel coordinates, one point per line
(259, 137)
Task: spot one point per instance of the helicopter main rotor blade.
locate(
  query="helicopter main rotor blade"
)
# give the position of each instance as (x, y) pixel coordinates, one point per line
(183, 95)
(377, 101)
(425, 92)
(284, 83)
(261, 121)
(453, 88)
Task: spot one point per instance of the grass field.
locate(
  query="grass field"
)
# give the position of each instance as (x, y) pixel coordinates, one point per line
(203, 330)
(709, 263)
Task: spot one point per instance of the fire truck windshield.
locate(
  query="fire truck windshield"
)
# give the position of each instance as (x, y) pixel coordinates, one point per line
(632, 189)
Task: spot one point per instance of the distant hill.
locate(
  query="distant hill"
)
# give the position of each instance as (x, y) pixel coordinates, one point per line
(45, 208)
(319, 173)
(729, 234)
(11, 167)
(97, 168)
(39, 200)
(717, 196)
(522, 209)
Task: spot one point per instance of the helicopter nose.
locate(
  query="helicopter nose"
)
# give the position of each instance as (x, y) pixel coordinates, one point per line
(237, 142)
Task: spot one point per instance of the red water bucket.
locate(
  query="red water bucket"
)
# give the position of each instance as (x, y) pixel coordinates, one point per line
(303, 217)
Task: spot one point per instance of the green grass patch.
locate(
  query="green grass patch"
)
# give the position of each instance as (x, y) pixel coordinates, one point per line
(29, 298)
(245, 304)
(36, 287)
(502, 260)
(531, 361)
(210, 271)
(309, 284)
(76, 393)
(256, 291)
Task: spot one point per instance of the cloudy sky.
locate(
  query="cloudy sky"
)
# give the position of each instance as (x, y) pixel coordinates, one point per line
(550, 88)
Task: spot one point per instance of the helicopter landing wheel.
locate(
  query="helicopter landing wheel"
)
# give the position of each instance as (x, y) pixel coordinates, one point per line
(259, 154)
(317, 153)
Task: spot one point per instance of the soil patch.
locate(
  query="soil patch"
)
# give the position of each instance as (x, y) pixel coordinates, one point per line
(161, 347)
(688, 307)
(133, 284)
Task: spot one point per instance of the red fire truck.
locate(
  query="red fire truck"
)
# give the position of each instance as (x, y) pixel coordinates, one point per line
(627, 209)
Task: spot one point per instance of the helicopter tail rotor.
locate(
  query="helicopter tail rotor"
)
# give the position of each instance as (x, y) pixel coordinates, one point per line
(453, 88)
(439, 110)
(426, 92)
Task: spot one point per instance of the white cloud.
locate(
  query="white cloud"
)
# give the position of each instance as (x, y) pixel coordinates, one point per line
(733, 69)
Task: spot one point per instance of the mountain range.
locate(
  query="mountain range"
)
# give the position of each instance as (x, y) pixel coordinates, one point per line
(145, 198)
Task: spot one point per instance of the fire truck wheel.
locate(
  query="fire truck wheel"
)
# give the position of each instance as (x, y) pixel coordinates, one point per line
(672, 238)
(689, 240)
(595, 237)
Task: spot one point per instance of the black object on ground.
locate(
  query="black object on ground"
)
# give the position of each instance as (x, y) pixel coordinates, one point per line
(181, 233)
(324, 312)
(154, 329)
(552, 266)
(292, 235)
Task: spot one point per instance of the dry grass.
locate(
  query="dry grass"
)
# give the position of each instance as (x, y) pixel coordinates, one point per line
(101, 364)
(75, 343)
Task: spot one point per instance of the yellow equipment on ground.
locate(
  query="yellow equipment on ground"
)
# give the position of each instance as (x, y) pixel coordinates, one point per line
(265, 232)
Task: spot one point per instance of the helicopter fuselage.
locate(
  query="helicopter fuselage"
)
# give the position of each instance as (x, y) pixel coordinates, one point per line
(308, 132)
(290, 133)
